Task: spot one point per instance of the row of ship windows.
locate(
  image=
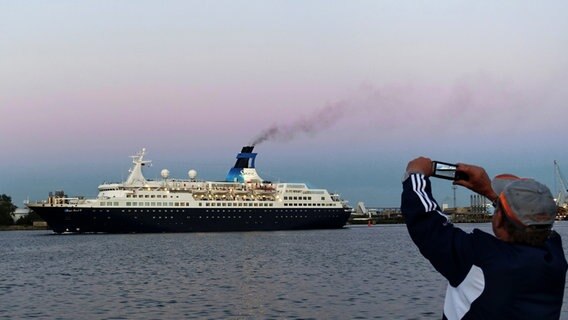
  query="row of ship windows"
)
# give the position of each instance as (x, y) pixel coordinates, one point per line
(300, 198)
(171, 197)
(236, 204)
(262, 204)
(212, 204)
(166, 196)
(186, 204)
(240, 217)
(149, 196)
(222, 210)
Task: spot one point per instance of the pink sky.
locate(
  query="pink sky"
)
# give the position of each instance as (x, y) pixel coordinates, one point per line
(94, 82)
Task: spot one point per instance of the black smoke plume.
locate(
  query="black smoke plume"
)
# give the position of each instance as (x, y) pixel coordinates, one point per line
(316, 122)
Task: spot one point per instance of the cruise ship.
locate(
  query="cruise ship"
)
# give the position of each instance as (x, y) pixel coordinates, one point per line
(243, 202)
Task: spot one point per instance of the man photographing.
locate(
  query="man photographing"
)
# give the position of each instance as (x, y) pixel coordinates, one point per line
(517, 274)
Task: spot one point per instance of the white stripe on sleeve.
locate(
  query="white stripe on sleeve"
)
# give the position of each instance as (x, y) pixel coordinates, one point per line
(419, 187)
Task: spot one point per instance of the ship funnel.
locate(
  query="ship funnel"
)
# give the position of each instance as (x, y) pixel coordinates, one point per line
(244, 157)
(244, 169)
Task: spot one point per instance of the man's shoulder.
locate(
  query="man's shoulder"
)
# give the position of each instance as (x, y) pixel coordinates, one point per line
(555, 237)
(483, 236)
(554, 242)
(486, 243)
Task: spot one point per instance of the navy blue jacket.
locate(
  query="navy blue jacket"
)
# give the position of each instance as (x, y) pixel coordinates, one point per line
(488, 278)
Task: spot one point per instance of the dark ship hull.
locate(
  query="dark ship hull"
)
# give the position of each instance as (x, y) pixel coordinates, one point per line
(123, 220)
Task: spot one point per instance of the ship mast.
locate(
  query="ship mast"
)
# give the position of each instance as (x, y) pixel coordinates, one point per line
(136, 178)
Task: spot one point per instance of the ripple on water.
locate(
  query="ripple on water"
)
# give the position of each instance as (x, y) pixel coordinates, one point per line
(354, 273)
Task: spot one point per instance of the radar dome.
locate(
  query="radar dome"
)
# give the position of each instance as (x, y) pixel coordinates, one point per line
(192, 174)
(165, 173)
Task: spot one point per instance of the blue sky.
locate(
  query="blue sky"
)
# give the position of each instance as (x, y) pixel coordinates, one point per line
(85, 84)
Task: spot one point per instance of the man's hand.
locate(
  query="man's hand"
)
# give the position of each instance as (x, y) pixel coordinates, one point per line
(420, 165)
(478, 181)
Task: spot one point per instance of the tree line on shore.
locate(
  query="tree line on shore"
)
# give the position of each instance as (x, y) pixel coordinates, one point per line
(7, 209)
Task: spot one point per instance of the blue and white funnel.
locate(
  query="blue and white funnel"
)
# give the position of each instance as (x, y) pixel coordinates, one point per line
(244, 170)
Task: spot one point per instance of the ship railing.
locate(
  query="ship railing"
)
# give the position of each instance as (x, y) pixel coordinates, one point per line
(79, 201)
(71, 200)
(37, 202)
(58, 201)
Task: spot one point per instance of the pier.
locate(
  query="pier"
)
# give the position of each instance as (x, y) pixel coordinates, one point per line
(477, 212)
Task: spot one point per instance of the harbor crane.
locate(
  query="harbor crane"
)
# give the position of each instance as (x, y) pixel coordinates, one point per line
(561, 187)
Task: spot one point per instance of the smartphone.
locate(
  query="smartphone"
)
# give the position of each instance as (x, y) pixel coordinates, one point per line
(448, 171)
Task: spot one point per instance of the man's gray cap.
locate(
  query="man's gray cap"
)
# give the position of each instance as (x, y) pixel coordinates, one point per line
(525, 201)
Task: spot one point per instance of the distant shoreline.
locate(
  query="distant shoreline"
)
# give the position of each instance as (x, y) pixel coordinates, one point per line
(21, 228)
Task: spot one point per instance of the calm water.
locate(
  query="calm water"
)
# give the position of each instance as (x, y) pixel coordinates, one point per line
(358, 272)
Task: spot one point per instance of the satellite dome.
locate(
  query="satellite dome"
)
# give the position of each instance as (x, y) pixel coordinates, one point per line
(165, 173)
(192, 174)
